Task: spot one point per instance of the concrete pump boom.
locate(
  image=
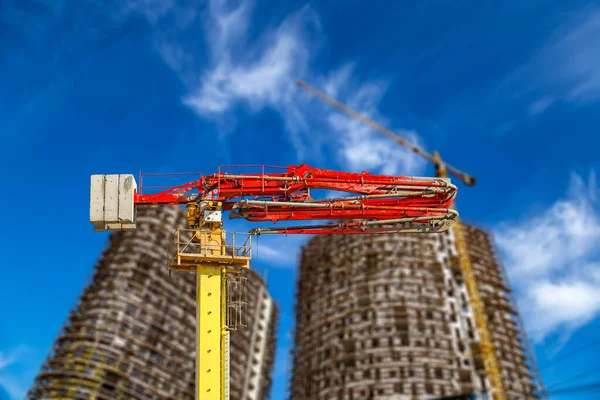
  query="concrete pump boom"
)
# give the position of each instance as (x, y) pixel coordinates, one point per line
(379, 204)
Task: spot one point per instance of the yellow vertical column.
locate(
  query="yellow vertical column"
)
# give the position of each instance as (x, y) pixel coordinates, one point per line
(487, 346)
(224, 338)
(212, 337)
(208, 333)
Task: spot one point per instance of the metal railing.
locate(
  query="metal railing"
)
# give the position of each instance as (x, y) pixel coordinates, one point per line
(191, 243)
(163, 181)
(237, 302)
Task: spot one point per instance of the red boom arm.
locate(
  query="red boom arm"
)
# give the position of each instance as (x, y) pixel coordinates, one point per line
(384, 203)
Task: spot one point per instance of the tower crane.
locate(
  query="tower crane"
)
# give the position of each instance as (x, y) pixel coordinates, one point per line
(442, 170)
(377, 204)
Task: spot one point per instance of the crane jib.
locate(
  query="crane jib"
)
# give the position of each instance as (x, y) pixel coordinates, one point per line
(465, 178)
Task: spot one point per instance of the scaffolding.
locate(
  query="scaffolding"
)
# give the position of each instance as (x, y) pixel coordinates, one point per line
(389, 317)
(131, 333)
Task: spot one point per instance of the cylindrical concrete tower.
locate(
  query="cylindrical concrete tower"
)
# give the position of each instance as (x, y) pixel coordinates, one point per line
(388, 317)
(131, 335)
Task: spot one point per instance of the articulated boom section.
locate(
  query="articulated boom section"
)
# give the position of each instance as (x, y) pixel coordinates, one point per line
(380, 203)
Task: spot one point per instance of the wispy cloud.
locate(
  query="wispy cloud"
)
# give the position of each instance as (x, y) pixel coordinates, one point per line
(575, 57)
(566, 67)
(274, 255)
(11, 362)
(359, 146)
(554, 261)
(260, 75)
(278, 251)
(153, 10)
(253, 74)
(541, 105)
(244, 70)
(560, 70)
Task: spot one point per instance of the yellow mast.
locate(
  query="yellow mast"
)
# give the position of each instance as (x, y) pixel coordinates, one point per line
(207, 254)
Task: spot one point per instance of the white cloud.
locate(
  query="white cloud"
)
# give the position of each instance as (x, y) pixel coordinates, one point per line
(10, 357)
(274, 256)
(259, 73)
(360, 147)
(566, 67)
(562, 304)
(153, 10)
(357, 146)
(541, 105)
(553, 259)
(278, 250)
(14, 384)
(256, 74)
(578, 55)
(173, 55)
(5, 360)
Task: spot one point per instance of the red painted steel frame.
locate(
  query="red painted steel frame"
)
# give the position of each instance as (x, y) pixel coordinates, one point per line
(286, 195)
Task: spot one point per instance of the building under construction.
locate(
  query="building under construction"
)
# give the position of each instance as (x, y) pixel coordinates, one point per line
(132, 333)
(388, 317)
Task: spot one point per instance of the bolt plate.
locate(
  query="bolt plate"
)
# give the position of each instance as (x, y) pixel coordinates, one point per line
(212, 216)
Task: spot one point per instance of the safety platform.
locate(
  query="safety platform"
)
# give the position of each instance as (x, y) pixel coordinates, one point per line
(190, 247)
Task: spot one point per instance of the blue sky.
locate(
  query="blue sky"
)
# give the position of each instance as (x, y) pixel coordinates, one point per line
(507, 91)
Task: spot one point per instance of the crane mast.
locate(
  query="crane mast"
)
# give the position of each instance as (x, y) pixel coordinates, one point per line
(442, 170)
(378, 204)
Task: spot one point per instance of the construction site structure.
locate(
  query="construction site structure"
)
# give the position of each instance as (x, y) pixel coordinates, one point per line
(389, 317)
(485, 347)
(379, 204)
(131, 334)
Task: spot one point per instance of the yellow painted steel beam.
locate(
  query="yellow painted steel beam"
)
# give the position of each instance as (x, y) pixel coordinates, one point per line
(224, 337)
(205, 252)
(209, 371)
(487, 346)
